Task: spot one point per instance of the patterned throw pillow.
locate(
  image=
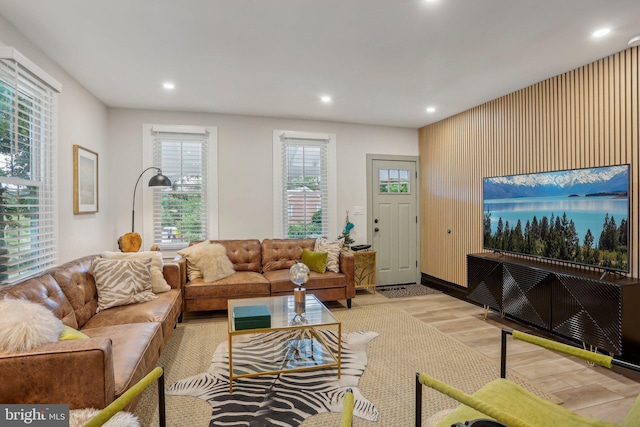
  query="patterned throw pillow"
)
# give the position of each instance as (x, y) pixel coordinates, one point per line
(158, 282)
(122, 281)
(333, 250)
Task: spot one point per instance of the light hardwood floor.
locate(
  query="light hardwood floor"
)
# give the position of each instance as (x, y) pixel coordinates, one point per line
(594, 392)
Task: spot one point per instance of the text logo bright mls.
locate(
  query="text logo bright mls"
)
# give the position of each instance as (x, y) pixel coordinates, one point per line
(34, 415)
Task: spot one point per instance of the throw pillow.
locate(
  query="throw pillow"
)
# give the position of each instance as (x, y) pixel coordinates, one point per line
(25, 325)
(122, 281)
(68, 333)
(158, 282)
(333, 249)
(214, 263)
(209, 259)
(191, 253)
(316, 261)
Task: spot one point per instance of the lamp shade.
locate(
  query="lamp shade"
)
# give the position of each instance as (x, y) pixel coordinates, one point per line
(159, 180)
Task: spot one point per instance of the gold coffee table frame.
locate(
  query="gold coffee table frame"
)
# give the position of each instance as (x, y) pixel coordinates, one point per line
(284, 317)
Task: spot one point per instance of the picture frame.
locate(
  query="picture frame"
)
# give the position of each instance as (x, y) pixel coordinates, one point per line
(85, 180)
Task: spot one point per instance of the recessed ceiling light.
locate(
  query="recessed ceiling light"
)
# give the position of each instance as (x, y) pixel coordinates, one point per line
(634, 41)
(601, 32)
(431, 109)
(325, 98)
(168, 85)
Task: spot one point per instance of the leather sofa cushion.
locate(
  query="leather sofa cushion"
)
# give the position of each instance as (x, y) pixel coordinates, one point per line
(44, 290)
(165, 310)
(279, 254)
(242, 283)
(245, 255)
(280, 281)
(79, 287)
(136, 348)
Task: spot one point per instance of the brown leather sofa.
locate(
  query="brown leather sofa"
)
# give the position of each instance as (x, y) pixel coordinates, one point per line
(262, 269)
(123, 346)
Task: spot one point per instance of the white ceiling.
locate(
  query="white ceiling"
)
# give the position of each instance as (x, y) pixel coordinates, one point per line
(382, 61)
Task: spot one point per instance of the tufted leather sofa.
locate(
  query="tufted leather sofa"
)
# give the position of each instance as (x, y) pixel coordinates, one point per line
(262, 269)
(123, 346)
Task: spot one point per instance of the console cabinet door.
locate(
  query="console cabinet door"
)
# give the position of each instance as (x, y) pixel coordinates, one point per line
(589, 311)
(484, 281)
(526, 294)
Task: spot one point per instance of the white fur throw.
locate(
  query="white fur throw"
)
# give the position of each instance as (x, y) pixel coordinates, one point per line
(210, 259)
(215, 263)
(158, 282)
(25, 325)
(193, 272)
(79, 417)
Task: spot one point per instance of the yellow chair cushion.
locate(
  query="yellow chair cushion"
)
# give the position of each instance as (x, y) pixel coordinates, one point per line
(633, 416)
(512, 399)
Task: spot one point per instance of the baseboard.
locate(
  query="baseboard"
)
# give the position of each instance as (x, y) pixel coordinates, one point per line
(448, 288)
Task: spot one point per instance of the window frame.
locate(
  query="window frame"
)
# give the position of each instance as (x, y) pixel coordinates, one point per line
(30, 80)
(146, 213)
(278, 187)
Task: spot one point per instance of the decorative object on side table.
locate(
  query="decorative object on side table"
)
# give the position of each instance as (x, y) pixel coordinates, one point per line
(131, 242)
(348, 226)
(85, 180)
(299, 274)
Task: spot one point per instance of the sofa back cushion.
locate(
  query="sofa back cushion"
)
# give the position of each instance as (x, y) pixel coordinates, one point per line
(279, 254)
(79, 286)
(245, 255)
(44, 290)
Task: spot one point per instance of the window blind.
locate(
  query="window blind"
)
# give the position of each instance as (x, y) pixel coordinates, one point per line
(28, 211)
(180, 213)
(304, 187)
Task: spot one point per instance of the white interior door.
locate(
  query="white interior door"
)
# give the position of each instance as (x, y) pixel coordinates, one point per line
(394, 220)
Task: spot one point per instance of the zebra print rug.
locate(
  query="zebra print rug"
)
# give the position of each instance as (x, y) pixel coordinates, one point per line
(283, 399)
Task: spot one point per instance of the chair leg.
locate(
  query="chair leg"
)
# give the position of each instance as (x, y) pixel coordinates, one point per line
(418, 401)
(162, 413)
(349, 303)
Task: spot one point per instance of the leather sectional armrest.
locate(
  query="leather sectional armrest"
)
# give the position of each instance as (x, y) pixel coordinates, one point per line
(348, 268)
(173, 273)
(78, 373)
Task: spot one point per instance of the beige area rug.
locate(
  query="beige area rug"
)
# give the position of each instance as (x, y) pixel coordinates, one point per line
(405, 345)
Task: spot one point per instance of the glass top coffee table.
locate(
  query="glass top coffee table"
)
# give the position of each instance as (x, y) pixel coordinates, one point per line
(298, 345)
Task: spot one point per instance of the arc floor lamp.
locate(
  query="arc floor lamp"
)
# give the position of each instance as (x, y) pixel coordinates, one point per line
(158, 180)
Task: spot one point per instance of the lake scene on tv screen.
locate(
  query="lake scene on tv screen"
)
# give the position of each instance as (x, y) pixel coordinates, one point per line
(579, 216)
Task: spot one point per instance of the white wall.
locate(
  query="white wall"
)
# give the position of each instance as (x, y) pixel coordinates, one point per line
(82, 119)
(245, 157)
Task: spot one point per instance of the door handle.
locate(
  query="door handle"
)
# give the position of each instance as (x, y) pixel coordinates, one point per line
(376, 229)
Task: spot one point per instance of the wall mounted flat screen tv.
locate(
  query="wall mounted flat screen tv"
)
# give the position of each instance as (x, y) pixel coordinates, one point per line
(578, 216)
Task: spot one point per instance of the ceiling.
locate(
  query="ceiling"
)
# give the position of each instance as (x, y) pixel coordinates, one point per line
(383, 62)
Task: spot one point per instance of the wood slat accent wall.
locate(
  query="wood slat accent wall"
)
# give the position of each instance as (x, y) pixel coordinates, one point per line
(586, 117)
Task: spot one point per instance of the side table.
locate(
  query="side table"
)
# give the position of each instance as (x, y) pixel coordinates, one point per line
(365, 269)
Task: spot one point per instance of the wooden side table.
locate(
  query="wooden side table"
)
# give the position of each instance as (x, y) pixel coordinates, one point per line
(365, 269)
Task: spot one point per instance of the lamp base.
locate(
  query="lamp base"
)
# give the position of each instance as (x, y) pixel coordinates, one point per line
(299, 295)
(130, 242)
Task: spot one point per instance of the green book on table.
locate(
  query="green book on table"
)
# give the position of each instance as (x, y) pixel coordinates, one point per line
(251, 317)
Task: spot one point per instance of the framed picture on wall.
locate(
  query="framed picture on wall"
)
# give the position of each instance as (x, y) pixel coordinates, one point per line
(85, 180)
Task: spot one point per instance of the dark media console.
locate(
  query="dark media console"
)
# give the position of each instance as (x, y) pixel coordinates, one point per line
(586, 306)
